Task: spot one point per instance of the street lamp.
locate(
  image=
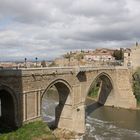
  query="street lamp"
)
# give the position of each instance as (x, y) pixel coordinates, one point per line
(109, 61)
(36, 61)
(25, 61)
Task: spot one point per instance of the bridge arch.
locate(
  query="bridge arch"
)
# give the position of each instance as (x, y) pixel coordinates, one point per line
(105, 85)
(64, 82)
(8, 109)
(62, 97)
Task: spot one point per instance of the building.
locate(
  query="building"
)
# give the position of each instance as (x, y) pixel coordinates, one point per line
(100, 55)
(132, 57)
(127, 58)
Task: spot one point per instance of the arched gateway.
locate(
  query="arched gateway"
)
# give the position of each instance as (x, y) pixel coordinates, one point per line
(8, 109)
(72, 84)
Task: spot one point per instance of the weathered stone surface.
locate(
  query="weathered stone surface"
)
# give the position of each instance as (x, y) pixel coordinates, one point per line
(73, 84)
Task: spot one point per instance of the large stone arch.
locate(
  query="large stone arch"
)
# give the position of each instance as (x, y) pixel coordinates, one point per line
(64, 91)
(57, 81)
(106, 91)
(9, 104)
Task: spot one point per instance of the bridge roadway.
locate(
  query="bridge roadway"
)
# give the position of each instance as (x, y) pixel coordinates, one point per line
(22, 91)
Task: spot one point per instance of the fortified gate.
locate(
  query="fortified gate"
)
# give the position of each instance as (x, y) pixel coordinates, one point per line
(22, 91)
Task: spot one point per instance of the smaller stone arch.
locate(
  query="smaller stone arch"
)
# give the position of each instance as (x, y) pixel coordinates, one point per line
(8, 117)
(64, 97)
(106, 87)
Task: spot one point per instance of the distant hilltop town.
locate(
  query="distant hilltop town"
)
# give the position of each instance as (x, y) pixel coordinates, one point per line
(129, 57)
(99, 57)
(92, 57)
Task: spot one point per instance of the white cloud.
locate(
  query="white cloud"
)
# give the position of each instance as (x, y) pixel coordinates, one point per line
(48, 28)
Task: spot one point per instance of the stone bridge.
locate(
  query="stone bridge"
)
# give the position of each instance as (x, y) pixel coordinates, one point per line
(22, 91)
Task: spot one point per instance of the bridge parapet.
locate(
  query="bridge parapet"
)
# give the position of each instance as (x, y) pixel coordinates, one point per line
(54, 70)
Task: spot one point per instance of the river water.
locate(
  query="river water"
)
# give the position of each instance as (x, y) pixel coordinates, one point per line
(102, 123)
(107, 123)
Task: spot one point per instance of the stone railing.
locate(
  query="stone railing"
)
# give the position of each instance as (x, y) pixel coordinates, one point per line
(54, 70)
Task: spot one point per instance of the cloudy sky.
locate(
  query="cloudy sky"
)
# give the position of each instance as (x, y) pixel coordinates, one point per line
(48, 28)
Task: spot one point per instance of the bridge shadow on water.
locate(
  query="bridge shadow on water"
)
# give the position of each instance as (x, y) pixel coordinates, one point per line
(103, 93)
(92, 107)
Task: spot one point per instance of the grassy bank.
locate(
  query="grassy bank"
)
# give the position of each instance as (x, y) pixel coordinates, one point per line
(33, 131)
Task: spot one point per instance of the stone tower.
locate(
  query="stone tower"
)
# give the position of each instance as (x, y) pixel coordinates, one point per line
(135, 56)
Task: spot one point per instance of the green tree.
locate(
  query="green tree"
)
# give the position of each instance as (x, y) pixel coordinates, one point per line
(80, 56)
(93, 93)
(136, 85)
(118, 54)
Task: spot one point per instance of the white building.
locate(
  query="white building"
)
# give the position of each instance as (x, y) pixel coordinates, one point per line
(99, 57)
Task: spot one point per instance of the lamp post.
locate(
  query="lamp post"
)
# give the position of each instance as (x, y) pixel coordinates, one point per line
(109, 61)
(36, 61)
(25, 61)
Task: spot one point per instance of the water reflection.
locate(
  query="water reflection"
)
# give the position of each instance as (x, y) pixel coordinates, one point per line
(49, 103)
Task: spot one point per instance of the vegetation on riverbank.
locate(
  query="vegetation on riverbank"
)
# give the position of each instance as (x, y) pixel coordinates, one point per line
(33, 131)
(136, 85)
(94, 91)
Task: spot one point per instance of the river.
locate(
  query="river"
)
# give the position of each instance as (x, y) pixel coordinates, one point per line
(103, 123)
(108, 123)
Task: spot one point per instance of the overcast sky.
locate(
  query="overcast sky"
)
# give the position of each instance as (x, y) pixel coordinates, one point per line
(48, 28)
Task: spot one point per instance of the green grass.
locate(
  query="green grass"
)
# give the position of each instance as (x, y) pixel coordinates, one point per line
(33, 131)
(94, 92)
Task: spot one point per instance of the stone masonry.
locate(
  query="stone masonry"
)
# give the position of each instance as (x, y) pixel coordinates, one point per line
(27, 87)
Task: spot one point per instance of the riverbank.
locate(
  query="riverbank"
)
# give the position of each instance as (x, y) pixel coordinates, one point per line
(32, 131)
(39, 131)
(90, 100)
(64, 134)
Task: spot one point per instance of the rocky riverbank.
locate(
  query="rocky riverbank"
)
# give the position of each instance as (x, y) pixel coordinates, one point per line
(64, 134)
